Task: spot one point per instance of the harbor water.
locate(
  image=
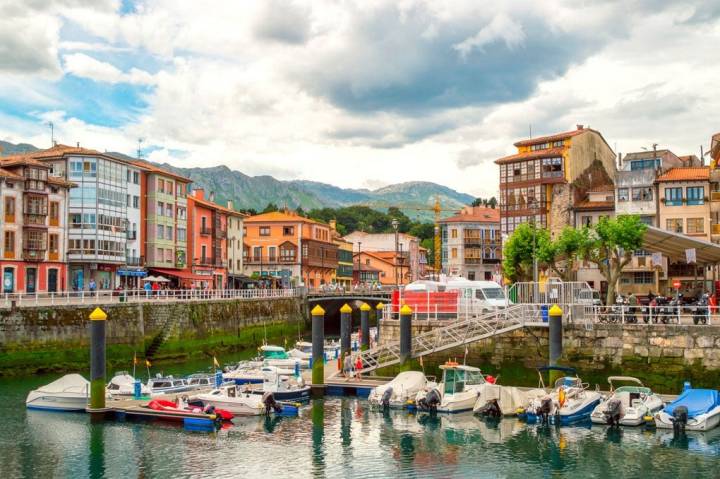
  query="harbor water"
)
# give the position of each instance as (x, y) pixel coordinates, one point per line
(336, 437)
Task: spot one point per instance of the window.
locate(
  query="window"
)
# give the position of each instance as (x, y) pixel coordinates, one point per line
(453, 253)
(128, 176)
(168, 210)
(695, 195)
(644, 164)
(136, 177)
(160, 255)
(160, 232)
(540, 146)
(168, 232)
(695, 226)
(54, 243)
(644, 277)
(160, 208)
(169, 187)
(239, 264)
(552, 167)
(644, 193)
(271, 253)
(161, 185)
(586, 221)
(257, 253)
(54, 210)
(648, 220)
(136, 202)
(288, 230)
(181, 234)
(180, 189)
(558, 143)
(9, 209)
(674, 224)
(34, 239)
(180, 213)
(453, 233)
(9, 244)
(203, 253)
(673, 196)
(264, 231)
(622, 194)
(127, 201)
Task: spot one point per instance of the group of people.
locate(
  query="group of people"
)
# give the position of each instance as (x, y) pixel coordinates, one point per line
(351, 367)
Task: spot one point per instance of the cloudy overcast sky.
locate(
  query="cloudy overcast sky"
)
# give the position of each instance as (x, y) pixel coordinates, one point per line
(357, 93)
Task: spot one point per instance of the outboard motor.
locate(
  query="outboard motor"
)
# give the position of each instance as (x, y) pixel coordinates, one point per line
(679, 419)
(209, 409)
(544, 410)
(613, 413)
(386, 396)
(491, 409)
(430, 401)
(268, 400)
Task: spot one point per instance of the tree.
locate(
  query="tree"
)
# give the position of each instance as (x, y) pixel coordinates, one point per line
(520, 249)
(300, 211)
(487, 203)
(610, 245)
(562, 253)
(492, 202)
(270, 208)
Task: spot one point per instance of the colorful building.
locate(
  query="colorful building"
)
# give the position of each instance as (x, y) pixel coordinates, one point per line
(33, 228)
(235, 247)
(473, 244)
(344, 272)
(406, 255)
(539, 183)
(375, 268)
(290, 248)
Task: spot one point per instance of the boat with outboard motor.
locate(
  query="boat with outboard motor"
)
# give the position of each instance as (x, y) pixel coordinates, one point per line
(205, 381)
(243, 402)
(495, 400)
(457, 392)
(693, 410)
(178, 410)
(123, 384)
(278, 357)
(402, 389)
(283, 384)
(626, 405)
(167, 385)
(569, 402)
(303, 350)
(69, 393)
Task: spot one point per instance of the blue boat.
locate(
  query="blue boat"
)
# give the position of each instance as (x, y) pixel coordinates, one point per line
(568, 403)
(694, 410)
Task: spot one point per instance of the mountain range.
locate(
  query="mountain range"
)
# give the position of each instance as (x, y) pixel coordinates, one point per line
(414, 198)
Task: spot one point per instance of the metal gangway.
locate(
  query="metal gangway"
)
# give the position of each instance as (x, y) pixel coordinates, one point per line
(455, 334)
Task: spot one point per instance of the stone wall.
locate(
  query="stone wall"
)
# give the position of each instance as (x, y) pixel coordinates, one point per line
(662, 355)
(51, 333)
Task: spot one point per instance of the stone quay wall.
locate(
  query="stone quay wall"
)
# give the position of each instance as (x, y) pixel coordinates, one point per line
(661, 355)
(45, 336)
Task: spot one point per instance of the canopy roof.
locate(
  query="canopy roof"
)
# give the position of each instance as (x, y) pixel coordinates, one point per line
(673, 245)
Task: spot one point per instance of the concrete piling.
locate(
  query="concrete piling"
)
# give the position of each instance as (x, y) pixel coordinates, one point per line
(556, 334)
(318, 345)
(97, 358)
(365, 326)
(345, 330)
(378, 314)
(405, 334)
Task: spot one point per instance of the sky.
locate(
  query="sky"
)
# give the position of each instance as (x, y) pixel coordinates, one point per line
(360, 93)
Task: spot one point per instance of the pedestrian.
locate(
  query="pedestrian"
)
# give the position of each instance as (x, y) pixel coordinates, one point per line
(358, 367)
(148, 288)
(91, 285)
(632, 303)
(155, 288)
(347, 366)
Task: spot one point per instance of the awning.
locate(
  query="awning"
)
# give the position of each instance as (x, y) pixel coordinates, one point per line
(673, 245)
(181, 274)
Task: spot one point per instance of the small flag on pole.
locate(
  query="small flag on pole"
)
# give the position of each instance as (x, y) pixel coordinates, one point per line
(215, 362)
(135, 359)
(147, 363)
(421, 362)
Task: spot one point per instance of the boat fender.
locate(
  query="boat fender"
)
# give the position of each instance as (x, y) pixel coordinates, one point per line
(561, 397)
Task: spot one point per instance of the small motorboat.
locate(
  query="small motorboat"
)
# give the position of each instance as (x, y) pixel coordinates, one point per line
(457, 392)
(181, 408)
(303, 350)
(278, 357)
(626, 405)
(205, 381)
(69, 393)
(283, 384)
(167, 385)
(402, 389)
(243, 402)
(693, 410)
(569, 402)
(123, 384)
(495, 400)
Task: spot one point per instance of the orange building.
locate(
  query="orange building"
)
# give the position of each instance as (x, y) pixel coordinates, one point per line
(290, 248)
(380, 266)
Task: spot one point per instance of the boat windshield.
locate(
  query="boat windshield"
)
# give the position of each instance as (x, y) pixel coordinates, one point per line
(274, 354)
(568, 382)
(454, 380)
(474, 377)
(493, 293)
(306, 349)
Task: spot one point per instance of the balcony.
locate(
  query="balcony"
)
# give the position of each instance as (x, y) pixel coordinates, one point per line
(270, 260)
(715, 196)
(715, 229)
(54, 221)
(205, 231)
(135, 260)
(9, 217)
(220, 233)
(209, 261)
(131, 235)
(34, 220)
(53, 256)
(33, 254)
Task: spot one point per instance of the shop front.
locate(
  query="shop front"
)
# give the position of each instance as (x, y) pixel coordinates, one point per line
(131, 278)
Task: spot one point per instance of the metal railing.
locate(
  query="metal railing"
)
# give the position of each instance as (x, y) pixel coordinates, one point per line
(551, 292)
(8, 300)
(650, 315)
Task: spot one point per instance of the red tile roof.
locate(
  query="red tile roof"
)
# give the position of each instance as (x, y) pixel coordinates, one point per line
(156, 169)
(9, 174)
(695, 173)
(60, 150)
(479, 215)
(215, 206)
(281, 216)
(595, 205)
(555, 137)
(22, 159)
(531, 155)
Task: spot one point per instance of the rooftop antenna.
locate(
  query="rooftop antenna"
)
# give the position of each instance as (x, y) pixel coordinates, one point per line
(52, 134)
(530, 128)
(139, 150)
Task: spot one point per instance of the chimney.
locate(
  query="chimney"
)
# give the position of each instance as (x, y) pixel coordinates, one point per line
(230, 205)
(620, 160)
(212, 196)
(199, 193)
(580, 127)
(54, 142)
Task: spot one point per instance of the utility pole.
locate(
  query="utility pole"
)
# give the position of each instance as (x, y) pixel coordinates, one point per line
(139, 149)
(52, 134)
(395, 223)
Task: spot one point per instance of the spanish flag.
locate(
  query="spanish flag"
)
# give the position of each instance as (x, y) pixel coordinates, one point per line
(147, 363)
(215, 362)
(135, 359)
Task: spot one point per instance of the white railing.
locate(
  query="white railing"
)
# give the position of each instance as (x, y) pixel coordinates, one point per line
(140, 295)
(551, 292)
(650, 315)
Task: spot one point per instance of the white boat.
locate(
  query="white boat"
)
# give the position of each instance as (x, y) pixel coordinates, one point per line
(458, 391)
(123, 384)
(507, 399)
(693, 410)
(303, 350)
(233, 399)
(205, 381)
(69, 393)
(403, 388)
(626, 405)
(569, 402)
(283, 384)
(167, 385)
(278, 357)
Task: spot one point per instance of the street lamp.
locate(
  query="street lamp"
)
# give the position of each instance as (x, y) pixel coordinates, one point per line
(395, 223)
(359, 268)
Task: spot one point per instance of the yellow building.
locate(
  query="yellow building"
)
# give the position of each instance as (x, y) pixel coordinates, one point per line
(344, 271)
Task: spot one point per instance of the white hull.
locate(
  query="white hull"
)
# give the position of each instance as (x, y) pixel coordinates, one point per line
(701, 422)
(56, 402)
(453, 403)
(632, 416)
(244, 408)
(405, 388)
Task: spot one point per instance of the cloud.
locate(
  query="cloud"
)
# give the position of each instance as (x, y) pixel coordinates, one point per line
(283, 21)
(85, 66)
(501, 28)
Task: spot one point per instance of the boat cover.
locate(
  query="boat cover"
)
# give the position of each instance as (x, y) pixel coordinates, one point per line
(509, 398)
(697, 401)
(73, 383)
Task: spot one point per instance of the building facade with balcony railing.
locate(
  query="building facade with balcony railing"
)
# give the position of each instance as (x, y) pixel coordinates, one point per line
(33, 233)
(472, 244)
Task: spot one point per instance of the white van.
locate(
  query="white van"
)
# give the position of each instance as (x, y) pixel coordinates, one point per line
(482, 296)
